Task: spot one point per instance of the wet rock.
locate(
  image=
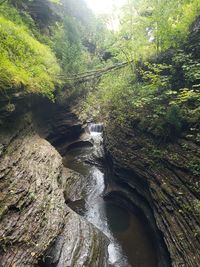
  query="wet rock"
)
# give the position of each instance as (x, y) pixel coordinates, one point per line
(57, 124)
(80, 244)
(162, 181)
(34, 189)
(78, 144)
(32, 204)
(73, 185)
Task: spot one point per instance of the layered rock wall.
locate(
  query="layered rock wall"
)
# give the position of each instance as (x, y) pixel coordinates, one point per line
(34, 186)
(157, 180)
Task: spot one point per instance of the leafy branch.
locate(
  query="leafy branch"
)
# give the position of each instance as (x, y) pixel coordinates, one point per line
(3, 1)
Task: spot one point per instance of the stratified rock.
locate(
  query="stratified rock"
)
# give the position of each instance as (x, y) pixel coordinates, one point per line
(163, 181)
(78, 144)
(56, 123)
(73, 184)
(34, 186)
(32, 205)
(79, 245)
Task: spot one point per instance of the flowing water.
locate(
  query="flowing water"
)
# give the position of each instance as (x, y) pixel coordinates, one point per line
(131, 243)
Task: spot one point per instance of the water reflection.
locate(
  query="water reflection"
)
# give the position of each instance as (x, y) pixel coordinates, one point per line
(131, 243)
(132, 233)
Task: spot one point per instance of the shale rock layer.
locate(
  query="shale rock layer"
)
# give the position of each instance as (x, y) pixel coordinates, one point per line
(32, 204)
(34, 186)
(79, 245)
(158, 180)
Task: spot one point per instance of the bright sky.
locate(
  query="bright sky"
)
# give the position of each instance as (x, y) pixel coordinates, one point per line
(104, 6)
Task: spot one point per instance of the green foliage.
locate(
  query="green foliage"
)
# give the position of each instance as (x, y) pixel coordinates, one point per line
(190, 67)
(55, 1)
(195, 168)
(153, 73)
(157, 97)
(22, 19)
(68, 48)
(150, 26)
(189, 102)
(108, 100)
(150, 105)
(24, 62)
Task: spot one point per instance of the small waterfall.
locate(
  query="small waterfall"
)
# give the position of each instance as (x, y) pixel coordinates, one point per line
(97, 128)
(129, 241)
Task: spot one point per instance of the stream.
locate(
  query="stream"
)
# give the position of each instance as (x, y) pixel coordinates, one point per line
(131, 243)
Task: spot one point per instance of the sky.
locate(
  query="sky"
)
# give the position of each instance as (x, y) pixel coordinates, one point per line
(104, 6)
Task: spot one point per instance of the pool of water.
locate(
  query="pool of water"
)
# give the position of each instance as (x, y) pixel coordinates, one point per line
(131, 242)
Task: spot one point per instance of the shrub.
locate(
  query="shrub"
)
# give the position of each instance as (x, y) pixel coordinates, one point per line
(25, 62)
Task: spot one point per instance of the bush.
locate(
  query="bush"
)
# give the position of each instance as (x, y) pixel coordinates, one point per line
(151, 105)
(25, 62)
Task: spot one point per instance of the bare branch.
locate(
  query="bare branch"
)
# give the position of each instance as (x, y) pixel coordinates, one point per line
(93, 74)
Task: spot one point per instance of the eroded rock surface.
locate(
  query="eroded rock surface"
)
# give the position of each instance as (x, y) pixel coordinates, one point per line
(57, 124)
(160, 181)
(73, 184)
(33, 188)
(32, 204)
(79, 245)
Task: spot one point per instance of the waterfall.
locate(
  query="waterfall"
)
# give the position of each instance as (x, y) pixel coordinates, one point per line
(97, 128)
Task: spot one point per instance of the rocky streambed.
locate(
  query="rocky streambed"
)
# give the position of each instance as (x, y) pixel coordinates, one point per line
(34, 189)
(67, 202)
(130, 239)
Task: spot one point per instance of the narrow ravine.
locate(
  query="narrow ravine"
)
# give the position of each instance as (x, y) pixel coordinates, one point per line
(99, 133)
(131, 243)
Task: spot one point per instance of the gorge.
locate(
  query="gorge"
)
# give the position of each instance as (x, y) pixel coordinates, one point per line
(99, 157)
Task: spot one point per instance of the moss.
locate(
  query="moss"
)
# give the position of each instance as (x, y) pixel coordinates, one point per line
(194, 167)
(25, 63)
(193, 207)
(167, 189)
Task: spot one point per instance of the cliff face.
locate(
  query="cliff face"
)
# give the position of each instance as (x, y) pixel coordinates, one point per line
(162, 177)
(32, 204)
(80, 244)
(157, 180)
(34, 186)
